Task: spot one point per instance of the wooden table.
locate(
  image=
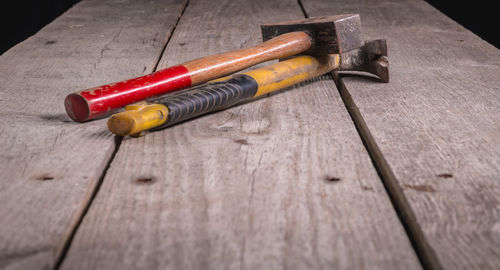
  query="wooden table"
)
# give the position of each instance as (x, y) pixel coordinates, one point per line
(365, 175)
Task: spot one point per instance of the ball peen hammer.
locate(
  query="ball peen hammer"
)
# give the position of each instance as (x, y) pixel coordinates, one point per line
(313, 36)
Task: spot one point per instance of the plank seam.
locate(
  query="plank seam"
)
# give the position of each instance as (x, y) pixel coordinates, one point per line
(302, 8)
(117, 140)
(425, 253)
(169, 36)
(69, 240)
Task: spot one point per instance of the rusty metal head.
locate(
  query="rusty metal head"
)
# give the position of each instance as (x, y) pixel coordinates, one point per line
(371, 58)
(333, 34)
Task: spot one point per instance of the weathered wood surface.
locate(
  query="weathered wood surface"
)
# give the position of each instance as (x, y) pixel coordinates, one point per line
(437, 124)
(283, 182)
(49, 166)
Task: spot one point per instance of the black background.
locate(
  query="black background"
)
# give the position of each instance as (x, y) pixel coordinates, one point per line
(21, 19)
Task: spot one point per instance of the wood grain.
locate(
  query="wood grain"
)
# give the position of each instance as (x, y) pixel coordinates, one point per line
(49, 166)
(283, 182)
(437, 124)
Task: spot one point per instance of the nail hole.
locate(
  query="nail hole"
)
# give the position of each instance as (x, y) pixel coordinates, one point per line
(242, 141)
(445, 175)
(460, 40)
(145, 180)
(44, 177)
(182, 44)
(332, 179)
(50, 42)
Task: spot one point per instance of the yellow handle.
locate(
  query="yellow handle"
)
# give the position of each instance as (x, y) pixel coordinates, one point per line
(137, 118)
(292, 71)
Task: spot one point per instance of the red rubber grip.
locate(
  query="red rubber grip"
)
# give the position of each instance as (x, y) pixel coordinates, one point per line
(95, 102)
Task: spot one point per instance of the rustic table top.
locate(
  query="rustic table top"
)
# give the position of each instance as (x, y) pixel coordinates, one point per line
(339, 172)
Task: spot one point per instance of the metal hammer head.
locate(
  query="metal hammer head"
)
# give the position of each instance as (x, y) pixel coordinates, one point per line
(371, 58)
(333, 34)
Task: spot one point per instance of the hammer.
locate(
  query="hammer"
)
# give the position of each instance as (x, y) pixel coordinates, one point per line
(313, 36)
(168, 110)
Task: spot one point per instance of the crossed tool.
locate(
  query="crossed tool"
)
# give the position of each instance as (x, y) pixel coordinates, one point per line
(322, 44)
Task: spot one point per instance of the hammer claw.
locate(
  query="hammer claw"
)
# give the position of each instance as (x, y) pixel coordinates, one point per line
(380, 67)
(370, 58)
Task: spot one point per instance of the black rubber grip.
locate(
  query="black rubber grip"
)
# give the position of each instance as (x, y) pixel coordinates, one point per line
(207, 98)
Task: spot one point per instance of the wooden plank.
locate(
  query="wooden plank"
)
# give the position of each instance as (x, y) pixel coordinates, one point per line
(283, 182)
(437, 124)
(50, 166)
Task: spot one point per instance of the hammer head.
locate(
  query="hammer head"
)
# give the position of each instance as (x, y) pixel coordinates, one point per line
(332, 34)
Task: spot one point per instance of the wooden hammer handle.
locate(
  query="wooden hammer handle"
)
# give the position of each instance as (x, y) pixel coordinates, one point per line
(95, 102)
(214, 66)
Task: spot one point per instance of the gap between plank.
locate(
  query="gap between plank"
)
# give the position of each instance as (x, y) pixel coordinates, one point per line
(69, 239)
(426, 255)
(118, 140)
(424, 251)
(170, 36)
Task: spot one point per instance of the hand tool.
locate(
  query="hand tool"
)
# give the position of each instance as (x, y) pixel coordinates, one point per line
(314, 36)
(164, 111)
